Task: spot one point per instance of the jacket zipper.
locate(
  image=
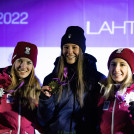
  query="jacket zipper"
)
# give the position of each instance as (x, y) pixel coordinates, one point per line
(19, 118)
(112, 125)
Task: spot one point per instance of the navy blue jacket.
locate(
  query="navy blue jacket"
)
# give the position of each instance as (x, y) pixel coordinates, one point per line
(67, 116)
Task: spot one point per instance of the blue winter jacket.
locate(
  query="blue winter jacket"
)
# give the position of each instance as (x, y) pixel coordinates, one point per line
(66, 116)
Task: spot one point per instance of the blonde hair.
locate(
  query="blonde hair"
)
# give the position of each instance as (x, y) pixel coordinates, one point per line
(107, 86)
(29, 92)
(80, 83)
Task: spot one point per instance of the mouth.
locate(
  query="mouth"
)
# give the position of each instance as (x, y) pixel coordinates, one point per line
(22, 71)
(117, 75)
(70, 57)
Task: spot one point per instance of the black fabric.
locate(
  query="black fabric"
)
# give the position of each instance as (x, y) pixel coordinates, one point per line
(6, 70)
(75, 35)
(131, 109)
(60, 117)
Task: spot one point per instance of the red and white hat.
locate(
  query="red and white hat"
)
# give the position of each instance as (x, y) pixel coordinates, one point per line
(125, 54)
(27, 50)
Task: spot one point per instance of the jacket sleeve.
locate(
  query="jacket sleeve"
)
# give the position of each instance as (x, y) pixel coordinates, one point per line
(46, 105)
(5, 79)
(45, 109)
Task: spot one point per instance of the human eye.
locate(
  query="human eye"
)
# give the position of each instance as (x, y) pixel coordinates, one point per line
(113, 64)
(29, 62)
(19, 60)
(122, 64)
(65, 47)
(75, 47)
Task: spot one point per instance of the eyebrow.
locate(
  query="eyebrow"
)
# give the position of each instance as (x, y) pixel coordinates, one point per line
(71, 45)
(118, 62)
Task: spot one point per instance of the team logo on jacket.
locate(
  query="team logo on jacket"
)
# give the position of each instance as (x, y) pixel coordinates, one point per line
(106, 105)
(9, 98)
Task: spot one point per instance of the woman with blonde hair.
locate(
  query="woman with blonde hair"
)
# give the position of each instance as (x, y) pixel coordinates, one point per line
(20, 90)
(117, 92)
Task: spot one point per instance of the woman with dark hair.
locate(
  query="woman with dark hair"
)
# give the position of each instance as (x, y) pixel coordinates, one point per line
(67, 104)
(19, 90)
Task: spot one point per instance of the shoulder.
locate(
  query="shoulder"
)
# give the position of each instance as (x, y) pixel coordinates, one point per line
(101, 76)
(130, 89)
(5, 79)
(90, 67)
(89, 58)
(6, 69)
(89, 63)
(132, 86)
(52, 75)
(48, 78)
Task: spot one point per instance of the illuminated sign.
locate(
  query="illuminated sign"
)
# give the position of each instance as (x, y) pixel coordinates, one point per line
(111, 27)
(13, 18)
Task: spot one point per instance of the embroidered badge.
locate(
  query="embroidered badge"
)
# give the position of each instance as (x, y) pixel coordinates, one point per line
(27, 50)
(9, 98)
(69, 36)
(106, 105)
(119, 50)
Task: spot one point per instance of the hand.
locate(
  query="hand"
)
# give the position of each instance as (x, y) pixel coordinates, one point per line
(131, 109)
(46, 90)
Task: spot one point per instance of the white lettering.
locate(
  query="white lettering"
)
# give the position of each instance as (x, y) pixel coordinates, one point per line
(105, 27)
(111, 28)
(14, 18)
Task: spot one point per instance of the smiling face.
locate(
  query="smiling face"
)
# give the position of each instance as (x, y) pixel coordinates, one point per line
(70, 52)
(23, 67)
(118, 70)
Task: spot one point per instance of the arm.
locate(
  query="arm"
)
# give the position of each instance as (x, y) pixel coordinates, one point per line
(45, 108)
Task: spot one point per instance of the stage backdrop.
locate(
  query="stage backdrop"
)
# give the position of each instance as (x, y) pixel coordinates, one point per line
(108, 24)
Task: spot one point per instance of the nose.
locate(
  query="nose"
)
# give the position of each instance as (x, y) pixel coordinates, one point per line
(23, 64)
(117, 68)
(70, 50)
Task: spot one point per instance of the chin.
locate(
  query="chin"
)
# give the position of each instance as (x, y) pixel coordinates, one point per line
(23, 77)
(70, 62)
